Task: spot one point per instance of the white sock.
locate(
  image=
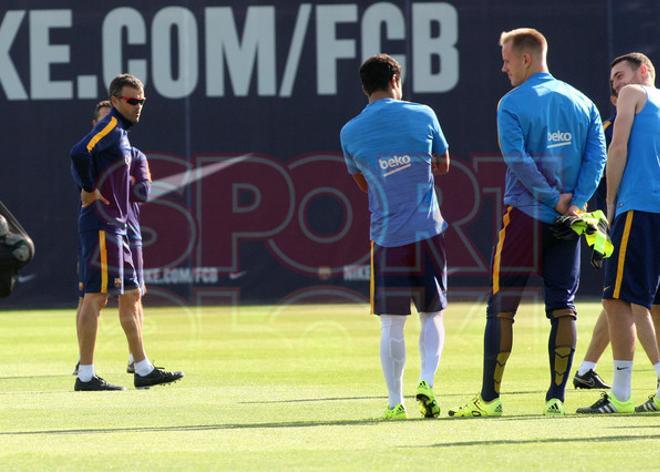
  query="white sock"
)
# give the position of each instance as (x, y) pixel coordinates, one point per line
(85, 372)
(144, 367)
(393, 355)
(656, 366)
(431, 342)
(621, 383)
(130, 358)
(585, 367)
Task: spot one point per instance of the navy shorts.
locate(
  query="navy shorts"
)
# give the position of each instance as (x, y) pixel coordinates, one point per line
(138, 261)
(106, 263)
(414, 272)
(526, 247)
(632, 273)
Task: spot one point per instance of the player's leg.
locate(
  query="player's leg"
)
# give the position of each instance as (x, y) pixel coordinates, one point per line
(128, 316)
(81, 294)
(512, 263)
(586, 375)
(642, 290)
(652, 404)
(622, 326)
(393, 357)
(90, 310)
(431, 343)
(100, 255)
(146, 375)
(430, 297)
(75, 369)
(129, 303)
(646, 331)
(561, 277)
(623, 272)
(136, 251)
(390, 299)
(655, 316)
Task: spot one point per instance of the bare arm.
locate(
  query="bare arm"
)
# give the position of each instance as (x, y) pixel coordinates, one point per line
(361, 182)
(440, 163)
(631, 98)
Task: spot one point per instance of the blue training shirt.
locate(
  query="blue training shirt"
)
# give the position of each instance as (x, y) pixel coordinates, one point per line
(640, 184)
(391, 143)
(552, 141)
(101, 160)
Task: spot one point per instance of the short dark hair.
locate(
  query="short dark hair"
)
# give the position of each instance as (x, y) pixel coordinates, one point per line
(377, 71)
(121, 81)
(636, 59)
(99, 105)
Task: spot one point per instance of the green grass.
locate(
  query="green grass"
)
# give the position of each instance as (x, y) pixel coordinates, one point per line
(297, 387)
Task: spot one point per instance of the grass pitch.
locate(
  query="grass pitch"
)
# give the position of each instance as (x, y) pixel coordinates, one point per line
(298, 387)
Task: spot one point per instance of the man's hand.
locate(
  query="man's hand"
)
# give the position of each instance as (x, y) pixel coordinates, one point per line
(87, 198)
(564, 203)
(573, 211)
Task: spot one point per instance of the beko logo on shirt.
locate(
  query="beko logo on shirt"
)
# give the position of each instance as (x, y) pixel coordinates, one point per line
(559, 138)
(395, 163)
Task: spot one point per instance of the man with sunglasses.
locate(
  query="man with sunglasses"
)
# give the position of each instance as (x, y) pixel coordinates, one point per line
(140, 176)
(101, 164)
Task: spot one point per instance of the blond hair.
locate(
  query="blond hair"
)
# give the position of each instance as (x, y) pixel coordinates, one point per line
(526, 39)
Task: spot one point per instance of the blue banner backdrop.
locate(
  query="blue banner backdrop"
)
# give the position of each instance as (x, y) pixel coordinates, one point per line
(245, 104)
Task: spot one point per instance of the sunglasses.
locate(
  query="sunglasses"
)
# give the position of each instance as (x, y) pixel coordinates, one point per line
(131, 100)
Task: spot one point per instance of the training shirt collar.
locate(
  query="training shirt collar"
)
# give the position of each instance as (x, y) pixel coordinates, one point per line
(126, 124)
(539, 76)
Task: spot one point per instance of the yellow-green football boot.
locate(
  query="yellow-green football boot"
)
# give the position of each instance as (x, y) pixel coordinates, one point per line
(608, 404)
(428, 405)
(554, 407)
(477, 408)
(397, 413)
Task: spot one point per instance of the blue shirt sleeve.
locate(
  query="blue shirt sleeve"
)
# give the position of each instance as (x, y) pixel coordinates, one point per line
(348, 158)
(98, 140)
(593, 161)
(440, 144)
(512, 144)
(81, 166)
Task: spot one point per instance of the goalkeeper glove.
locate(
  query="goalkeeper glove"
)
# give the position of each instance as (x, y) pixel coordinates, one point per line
(562, 228)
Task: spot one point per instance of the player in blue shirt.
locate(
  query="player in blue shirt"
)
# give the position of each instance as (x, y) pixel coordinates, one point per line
(632, 274)
(552, 142)
(393, 149)
(101, 163)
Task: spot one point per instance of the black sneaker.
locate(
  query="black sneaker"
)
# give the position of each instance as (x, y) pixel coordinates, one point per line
(157, 376)
(590, 380)
(75, 369)
(94, 385)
